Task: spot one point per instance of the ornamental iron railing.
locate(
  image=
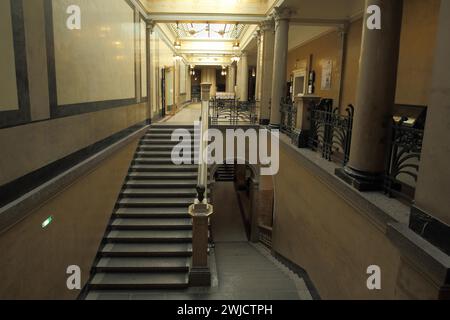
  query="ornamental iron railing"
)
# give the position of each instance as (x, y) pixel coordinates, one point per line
(331, 131)
(232, 112)
(403, 161)
(288, 117)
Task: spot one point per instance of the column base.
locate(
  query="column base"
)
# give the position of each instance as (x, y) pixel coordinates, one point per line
(264, 122)
(200, 277)
(300, 138)
(434, 231)
(360, 180)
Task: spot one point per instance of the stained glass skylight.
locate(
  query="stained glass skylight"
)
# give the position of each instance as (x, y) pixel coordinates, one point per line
(207, 31)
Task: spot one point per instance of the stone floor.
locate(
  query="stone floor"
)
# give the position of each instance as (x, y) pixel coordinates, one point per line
(240, 270)
(187, 115)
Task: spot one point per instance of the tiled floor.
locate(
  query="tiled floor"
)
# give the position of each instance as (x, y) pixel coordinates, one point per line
(187, 115)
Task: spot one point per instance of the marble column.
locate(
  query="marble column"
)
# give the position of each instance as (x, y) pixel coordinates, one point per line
(375, 98)
(281, 16)
(243, 74)
(266, 69)
(258, 67)
(150, 94)
(232, 77)
(176, 85)
(213, 80)
(431, 213)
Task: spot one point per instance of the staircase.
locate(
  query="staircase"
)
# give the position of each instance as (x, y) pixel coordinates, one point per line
(225, 172)
(148, 243)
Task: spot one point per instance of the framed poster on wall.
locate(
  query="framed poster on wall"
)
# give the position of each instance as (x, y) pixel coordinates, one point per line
(327, 71)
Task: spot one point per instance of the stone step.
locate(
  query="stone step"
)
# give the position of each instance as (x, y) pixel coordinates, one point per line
(140, 160)
(151, 224)
(168, 125)
(172, 183)
(163, 154)
(168, 135)
(146, 250)
(163, 168)
(157, 147)
(155, 202)
(152, 236)
(151, 213)
(158, 192)
(165, 130)
(150, 141)
(145, 264)
(139, 281)
(163, 175)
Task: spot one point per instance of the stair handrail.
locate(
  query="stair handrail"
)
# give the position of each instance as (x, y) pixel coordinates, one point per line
(200, 211)
(202, 177)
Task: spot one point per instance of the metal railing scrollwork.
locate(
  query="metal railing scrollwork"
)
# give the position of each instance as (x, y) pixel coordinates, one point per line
(403, 161)
(288, 117)
(331, 131)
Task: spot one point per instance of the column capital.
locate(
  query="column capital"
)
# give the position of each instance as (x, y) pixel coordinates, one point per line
(151, 25)
(206, 91)
(257, 35)
(267, 25)
(282, 13)
(343, 29)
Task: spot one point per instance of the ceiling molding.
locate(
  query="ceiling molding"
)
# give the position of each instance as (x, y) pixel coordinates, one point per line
(206, 17)
(207, 52)
(318, 22)
(276, 3)
(320, 35)
(248, 37)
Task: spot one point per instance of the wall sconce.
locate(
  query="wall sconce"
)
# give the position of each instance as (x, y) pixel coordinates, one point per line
(254, 72)
(235, 59)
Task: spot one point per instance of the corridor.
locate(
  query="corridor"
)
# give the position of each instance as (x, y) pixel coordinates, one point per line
(188, 115)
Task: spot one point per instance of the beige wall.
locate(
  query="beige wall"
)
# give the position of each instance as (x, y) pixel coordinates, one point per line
(322, 49)
(415, 64)
(29, 147)
(95, 63)
(319, 227)
(34, 261)
(319, 231)
(8, 86)
(417, 46)
(143, 47)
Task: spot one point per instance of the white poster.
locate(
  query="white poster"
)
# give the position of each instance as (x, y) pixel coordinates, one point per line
(327, 70)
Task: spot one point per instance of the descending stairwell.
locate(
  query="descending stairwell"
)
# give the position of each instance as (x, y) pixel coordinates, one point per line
(225, 172)
(148, 243)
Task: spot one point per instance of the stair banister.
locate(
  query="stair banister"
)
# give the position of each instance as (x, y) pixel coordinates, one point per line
(200, 210)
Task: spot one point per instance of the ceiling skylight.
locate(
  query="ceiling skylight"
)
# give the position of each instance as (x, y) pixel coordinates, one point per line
(207, 31)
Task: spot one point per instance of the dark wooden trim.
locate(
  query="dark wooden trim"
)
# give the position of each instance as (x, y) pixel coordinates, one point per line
(300, 272)
(17, 188)
(23, 114)
(59, 111)
(431, 229)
